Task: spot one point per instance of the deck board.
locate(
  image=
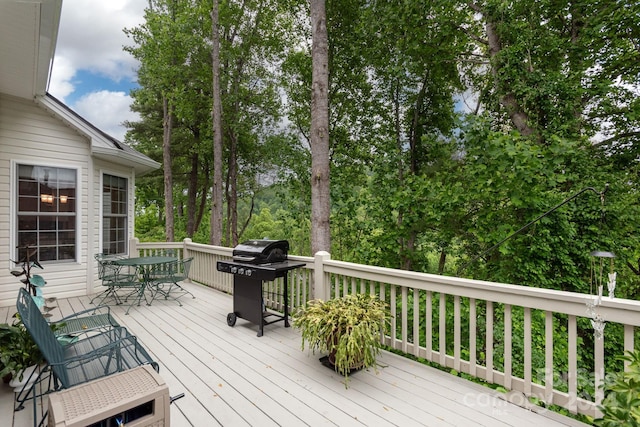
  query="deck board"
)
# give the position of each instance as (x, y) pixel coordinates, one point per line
(231, 377)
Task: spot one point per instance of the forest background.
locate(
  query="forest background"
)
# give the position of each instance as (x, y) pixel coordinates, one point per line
(452, 125)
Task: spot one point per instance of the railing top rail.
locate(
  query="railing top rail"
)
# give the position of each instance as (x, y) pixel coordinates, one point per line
(158, 245)
(572, 303)
(209, 249)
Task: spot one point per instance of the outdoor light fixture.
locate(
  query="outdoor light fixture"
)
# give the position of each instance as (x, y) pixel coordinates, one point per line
(598, 262)
(63, 199)
(46, 198)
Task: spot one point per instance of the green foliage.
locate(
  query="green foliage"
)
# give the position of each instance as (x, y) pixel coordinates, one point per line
(621, 406)
(149, 227)
(349, 328)
(428, 170)
(17, 349)
(421, 179)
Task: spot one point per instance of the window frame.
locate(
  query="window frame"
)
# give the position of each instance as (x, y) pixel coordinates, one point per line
(15, 205)
(126, 216)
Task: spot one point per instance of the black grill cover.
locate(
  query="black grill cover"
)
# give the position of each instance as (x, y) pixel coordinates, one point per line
(261, 251)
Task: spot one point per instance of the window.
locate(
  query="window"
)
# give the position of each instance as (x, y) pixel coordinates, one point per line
(114, 215)
(47, 212)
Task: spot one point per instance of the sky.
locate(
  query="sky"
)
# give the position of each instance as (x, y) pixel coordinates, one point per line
(91, 72)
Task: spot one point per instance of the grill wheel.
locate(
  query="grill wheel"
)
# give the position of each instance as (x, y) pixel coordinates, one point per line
(231, 319)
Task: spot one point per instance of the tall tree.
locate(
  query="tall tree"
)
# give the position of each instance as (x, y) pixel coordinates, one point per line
(170, 46)
(216, 113)
(167, 128)
(320, 160)
(252, 35)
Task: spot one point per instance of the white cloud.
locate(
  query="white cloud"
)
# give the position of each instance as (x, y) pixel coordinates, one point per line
(60, 84)
(91, 38)
(107, 110)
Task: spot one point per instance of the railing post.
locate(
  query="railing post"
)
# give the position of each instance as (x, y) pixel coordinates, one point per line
(133, 247)
(185, 252)
(320, 288)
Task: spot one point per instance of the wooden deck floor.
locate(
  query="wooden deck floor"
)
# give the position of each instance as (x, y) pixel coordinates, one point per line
(231, 377)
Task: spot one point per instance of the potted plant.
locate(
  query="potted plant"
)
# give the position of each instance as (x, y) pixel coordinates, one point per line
(348, 328)
(19, 354)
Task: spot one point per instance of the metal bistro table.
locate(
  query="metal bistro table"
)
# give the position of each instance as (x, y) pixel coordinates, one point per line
(146, 266)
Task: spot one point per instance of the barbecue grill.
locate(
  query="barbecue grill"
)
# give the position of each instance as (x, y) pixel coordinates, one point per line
(255, 262)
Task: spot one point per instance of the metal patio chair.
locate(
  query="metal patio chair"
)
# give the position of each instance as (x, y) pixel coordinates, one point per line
(70, 329)
(115, 278)
(93, 357)
(91, 320)
(166, 282)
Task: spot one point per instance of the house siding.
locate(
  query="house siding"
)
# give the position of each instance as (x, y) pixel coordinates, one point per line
(30, 134)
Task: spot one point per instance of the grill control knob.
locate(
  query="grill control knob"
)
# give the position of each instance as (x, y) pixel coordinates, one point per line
(248, 272)
(234, 270)
(241, 271)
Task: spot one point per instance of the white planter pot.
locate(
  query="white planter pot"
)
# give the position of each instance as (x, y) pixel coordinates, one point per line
(29, 376)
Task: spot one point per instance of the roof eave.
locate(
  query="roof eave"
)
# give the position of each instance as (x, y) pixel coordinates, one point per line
(51, 11)
(142, 166)
(103, 146)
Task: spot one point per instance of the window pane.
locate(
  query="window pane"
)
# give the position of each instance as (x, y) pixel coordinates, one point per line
(27, 222)
(66, 223)
(114, 214)
(66, 237)
(67, 252)
(47, 254)
(24, 172)
(28, 188)
(43, 193)
(66, 200)
(48, 238)
(47, 223)
(22, 253)
(27, 239)
(46, 203)
(28, 204)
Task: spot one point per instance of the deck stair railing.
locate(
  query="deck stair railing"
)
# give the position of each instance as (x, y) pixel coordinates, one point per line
(526, 339)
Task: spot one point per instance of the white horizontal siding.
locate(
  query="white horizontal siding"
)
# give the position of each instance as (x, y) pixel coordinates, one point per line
(30, 134)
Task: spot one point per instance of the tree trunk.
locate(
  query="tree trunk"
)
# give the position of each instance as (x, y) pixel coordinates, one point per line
(518, 117)
(395, 94)
(408, 246)
(442, 262)
(167, 126)
(227, 234)
(203, 199)
(320, 184)
(192, 192)
(232, 199)
(215, 237)
(415, 136)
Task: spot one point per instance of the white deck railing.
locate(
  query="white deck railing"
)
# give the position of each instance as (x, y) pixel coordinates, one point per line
(473, 327)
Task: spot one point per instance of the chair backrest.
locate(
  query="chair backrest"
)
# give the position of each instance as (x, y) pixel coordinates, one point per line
(40, 330)
(171, 272)
(108, 271)
(182, 272)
